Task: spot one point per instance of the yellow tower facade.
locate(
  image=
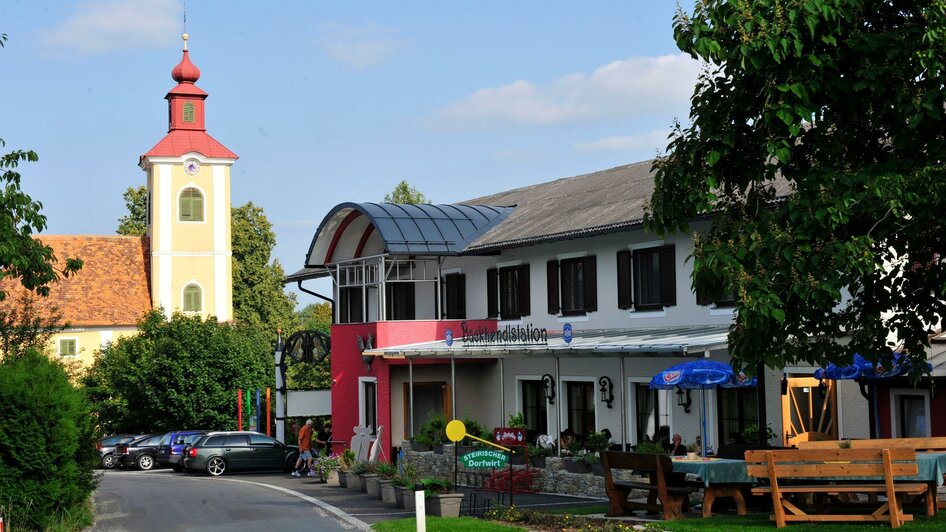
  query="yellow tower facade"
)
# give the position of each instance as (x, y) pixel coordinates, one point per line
(188, 183)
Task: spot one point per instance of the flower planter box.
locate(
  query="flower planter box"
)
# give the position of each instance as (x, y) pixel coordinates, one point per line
(346, 479)
(597, 470)
(354, 482)
(517, 459)
(333, 479)
(438, 448)
(537, 461)
(369, 484)
(445, 504)
(404, 497)
(387, 491)
(576, 467)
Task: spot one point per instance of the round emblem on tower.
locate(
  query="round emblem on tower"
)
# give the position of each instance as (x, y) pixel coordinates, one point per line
(191, 166)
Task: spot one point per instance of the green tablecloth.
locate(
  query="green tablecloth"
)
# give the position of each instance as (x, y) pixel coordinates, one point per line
(715, 470)
(930, 467)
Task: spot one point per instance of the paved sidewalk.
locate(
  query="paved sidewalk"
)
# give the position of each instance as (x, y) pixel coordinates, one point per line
(372, 510)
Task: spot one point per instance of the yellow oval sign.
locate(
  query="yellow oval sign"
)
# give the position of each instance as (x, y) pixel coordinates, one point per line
(456, 430)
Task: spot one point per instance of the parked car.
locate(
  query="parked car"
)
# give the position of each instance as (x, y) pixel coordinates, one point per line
(171, 447)
(139, 453)
(217, 452)
(106, 448)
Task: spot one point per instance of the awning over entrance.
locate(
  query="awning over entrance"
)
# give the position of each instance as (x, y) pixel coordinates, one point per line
(667, 341)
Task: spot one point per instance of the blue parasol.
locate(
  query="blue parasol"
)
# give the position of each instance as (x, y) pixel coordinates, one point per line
(701, 375)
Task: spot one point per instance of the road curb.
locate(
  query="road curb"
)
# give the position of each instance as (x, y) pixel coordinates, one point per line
(334, 510)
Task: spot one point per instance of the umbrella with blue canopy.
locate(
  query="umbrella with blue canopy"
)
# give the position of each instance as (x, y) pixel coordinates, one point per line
(701, 375)
(861, 368)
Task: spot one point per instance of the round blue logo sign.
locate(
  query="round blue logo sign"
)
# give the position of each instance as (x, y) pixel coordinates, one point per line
(449, 337)
(567, 333)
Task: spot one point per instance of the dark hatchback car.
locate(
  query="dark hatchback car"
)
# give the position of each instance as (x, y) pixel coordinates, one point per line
(139, 453)
(106, 448)
(171, 447)
(217, 452)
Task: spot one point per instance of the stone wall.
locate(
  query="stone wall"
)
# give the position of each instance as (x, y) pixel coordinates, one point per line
(551, 479)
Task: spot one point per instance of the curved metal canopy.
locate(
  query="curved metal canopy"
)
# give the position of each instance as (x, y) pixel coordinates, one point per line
(409, 229)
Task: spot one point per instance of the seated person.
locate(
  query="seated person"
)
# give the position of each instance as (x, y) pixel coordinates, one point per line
(676, 447)
(566, 439)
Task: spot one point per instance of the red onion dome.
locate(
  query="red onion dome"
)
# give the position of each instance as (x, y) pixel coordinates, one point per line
(185, 71)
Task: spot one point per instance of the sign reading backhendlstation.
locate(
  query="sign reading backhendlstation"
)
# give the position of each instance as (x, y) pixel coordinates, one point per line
(484, 458)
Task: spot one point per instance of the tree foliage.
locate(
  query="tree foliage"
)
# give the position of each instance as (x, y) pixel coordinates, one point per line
(816, 148)
(404, 193)
(135, 223)
(182, 372)
(22, 256)
(316, 317)
(47, 443)
(258, 296)
(24, 326)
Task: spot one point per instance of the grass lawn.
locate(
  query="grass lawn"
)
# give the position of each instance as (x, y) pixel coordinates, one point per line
(451, 524)
(760, 522)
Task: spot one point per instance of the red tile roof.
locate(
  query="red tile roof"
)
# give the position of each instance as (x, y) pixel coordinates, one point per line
(180, 141)
(111, 289)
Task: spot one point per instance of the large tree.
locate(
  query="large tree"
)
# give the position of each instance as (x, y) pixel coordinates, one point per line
(22, 256)
(816, 148)
(178, 372)
(258, 295)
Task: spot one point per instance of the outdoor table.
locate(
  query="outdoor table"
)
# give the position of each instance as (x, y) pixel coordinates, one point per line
(931, 467)
(721, 478)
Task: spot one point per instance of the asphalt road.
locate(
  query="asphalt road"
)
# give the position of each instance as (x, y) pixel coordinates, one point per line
(167, 501)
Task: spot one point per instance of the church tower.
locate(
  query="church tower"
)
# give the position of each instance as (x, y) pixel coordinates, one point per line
(188, 174)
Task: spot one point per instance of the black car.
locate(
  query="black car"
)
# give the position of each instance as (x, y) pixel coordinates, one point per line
(106, 448)
(139, 453)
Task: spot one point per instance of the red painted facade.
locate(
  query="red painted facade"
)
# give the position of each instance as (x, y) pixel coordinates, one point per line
(347, 366)
(937, 408)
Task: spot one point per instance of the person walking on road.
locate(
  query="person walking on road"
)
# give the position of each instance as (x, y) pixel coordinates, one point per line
(305, 449)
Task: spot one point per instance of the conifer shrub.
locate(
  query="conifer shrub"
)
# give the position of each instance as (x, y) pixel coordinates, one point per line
(47, 443)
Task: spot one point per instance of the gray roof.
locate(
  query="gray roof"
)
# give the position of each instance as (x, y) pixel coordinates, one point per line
(585, 205)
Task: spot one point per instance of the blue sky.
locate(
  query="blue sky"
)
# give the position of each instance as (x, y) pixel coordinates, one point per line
(327, 102)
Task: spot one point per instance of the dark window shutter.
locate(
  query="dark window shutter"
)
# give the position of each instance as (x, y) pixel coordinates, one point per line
(590, 272)
(624, 279)
(523, 278)
(551, 268)
(492, 293)
(668, 277)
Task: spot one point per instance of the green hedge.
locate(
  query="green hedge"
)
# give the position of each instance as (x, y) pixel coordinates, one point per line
(47, 442)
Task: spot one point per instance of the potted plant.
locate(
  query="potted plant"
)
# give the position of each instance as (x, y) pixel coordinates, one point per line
(346, 461)
(433, 431)
(422, 443)
(537, 455)
(356, 475)
(473, 428)
(591, 461)
(369, 479)
(326, 466)
(385, 472)
(403, 483)
(517, 421)
(693, 451)
(580, 463)
(441, 501)
(650, 447)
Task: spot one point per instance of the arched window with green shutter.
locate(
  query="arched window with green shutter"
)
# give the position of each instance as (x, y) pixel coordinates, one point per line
(193, 300)
(191, 206)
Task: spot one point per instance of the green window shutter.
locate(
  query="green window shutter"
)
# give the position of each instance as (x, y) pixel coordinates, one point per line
(188, 112)
(192, 302)
(67, 348)
(191, 206)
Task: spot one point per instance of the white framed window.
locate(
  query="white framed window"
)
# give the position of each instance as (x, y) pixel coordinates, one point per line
(192, 297)
(910, 409)
(190, 205)
(68, 347)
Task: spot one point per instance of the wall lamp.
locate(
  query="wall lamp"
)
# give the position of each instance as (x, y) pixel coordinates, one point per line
(684, 400)
(784, 383)
(606, 387)
(549, 384)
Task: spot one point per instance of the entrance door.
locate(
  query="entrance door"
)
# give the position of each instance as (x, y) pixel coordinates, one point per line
(808, 412)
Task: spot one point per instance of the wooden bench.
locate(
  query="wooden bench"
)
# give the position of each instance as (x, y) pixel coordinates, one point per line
(869, 471)
(665, 485)
(936, 443)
